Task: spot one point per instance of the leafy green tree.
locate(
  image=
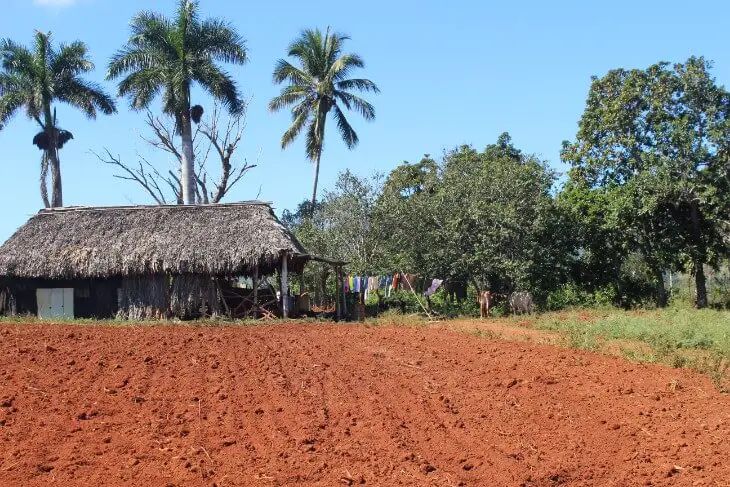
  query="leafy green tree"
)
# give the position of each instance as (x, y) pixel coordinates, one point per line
(168, 56)
(340, 227)
(502, 228)
(404, 217)
(655, 142)
(347, 216)
(606, 251)
(317, 86)
(487, 218)
(33, 79)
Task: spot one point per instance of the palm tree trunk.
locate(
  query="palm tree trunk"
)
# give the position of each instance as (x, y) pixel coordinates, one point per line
(56, 186)
(322, 109)
(44, 178)
(316, 181)
(54, 163)
(188, 168)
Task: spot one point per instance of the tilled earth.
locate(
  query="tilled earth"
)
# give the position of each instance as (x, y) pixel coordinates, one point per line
(321, 404)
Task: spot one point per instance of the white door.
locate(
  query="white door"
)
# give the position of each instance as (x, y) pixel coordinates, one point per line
(68, 303)
(55, 303)
(43, 297)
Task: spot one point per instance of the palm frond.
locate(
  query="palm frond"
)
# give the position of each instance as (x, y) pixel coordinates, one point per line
(289, 96)
(315, 141)
(346, 131)
(219, 84)
(10, 83)
(86, 96)
(309, 50)
(71, 60)
(153, 33)
(142, 87)
(147, 25)
(218, 40)
(294, 129)
(341, 68)
(42, 48)
(285, 71)
(130, 59)
(333, 46)
(17, 59)
(354, 102)
(10, 103)
(357, 84)
(173, 98)
(187, 16)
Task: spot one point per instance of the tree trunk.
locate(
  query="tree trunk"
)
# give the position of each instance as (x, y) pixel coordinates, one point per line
(44, 180)
(56, 186)
(316, 181)
(52, 152)
(323, 284)
(700, 285)
(661, 291)
(698, 264)
(188, 168)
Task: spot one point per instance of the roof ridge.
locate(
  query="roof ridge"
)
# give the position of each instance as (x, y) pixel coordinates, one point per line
(66, 209)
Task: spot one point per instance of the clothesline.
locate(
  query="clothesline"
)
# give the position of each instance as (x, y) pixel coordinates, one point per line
(388, 283)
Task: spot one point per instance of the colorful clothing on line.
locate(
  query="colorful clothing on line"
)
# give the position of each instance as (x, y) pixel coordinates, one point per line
(435, 284)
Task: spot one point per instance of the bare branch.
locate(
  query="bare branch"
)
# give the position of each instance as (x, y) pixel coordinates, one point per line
(139, 175)
(165, 139)
(210, 137)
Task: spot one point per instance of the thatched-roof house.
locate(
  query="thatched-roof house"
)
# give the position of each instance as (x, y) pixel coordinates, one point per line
(141, 261)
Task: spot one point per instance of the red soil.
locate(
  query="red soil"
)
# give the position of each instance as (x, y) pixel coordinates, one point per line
(343, 405)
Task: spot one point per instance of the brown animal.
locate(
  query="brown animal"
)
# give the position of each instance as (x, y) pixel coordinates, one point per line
(485, 303)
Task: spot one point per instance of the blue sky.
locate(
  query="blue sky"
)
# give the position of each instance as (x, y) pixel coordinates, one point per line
(450, 73)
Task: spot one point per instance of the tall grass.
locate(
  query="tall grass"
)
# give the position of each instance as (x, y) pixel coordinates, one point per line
(698, 339)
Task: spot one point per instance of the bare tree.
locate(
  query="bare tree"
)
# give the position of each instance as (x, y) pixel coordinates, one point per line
(211, 138)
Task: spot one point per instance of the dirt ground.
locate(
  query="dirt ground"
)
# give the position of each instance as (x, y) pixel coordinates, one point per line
(330, 405)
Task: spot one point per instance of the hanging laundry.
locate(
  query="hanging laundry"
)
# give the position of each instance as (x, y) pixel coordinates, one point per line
(388, 285)
(346, 284)
(356, 286)
(435, 284)
(409, 282)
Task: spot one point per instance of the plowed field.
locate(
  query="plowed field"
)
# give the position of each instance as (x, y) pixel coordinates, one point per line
(343, 405)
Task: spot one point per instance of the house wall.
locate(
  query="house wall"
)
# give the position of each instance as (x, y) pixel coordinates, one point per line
(93, 298)
(153, 296)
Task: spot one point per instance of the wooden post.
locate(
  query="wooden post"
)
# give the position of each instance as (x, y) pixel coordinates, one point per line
(344, 295)
(284, 286)
(338, 283)
(255, 280)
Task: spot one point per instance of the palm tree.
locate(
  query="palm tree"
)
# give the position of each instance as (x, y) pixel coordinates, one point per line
(318, 85)
(34, 80)
(168, 56)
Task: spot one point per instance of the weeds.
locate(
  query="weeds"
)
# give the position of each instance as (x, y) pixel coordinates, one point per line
(682, 338)
(488, 334)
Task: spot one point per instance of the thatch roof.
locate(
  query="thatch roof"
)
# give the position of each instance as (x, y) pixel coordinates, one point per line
(81, 242)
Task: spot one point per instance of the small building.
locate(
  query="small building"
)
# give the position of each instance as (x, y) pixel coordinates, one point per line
(143, 262)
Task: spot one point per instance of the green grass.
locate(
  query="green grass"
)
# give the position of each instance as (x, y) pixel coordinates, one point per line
(697, 339)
